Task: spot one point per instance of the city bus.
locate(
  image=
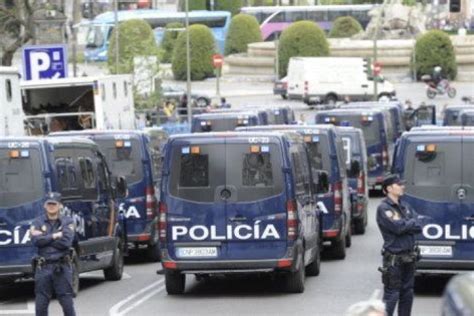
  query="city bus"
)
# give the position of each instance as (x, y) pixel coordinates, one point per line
(273, 20)
(100, 29)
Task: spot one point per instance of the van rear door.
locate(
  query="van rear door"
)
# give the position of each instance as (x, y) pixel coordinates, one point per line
(465, 246)
(255, 198)
(434, 180)
(196, 211)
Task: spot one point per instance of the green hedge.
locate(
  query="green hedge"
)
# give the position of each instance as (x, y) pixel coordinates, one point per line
(136, 38)
(202, 47)
(228, 5)
(303, 38)
(345, 26)
(169, 41)
(244, 29)
(432, 49)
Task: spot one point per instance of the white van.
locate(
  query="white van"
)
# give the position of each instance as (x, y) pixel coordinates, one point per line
(330, 79)
(11, 113)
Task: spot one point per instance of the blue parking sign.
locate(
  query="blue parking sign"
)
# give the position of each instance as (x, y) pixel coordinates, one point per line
(44, 62)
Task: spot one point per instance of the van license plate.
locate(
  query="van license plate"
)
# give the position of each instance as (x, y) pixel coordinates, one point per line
(442, 251)
(197, 252)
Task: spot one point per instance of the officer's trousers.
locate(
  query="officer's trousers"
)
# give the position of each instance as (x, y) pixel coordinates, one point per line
(49, 278)
(399, 288)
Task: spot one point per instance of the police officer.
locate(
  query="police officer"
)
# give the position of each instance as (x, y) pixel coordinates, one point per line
(53, 234)
(398, 224)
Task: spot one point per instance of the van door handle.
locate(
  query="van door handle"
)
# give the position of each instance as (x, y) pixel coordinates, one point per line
(469, 218)
(238, 219)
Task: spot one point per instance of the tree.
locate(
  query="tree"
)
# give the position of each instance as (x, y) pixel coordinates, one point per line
(136, 38)
(169, 40)
(16, 26)
(303, 38)
(202, 47)
(243, 29)
(228, 5)
(345, 26)
(432, 49)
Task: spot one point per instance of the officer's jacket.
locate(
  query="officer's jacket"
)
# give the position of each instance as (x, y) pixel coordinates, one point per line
(49, 248)
(398, 225)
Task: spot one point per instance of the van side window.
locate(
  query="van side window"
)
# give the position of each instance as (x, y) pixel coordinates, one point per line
(87, 172)
(194, 170)
(102, 176)
(86, 160)
(67, 176)
(257, 170)
(298, 173)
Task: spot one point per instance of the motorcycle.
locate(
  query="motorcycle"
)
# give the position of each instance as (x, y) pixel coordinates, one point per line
(442, 88)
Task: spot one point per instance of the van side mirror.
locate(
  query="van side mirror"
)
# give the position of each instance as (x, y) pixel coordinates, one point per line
(355, 169)
(121, 189)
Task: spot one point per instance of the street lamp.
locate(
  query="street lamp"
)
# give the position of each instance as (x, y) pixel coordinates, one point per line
(188, 65)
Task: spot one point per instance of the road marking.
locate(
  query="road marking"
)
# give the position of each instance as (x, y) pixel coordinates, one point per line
(30, 309)
(114, 310)
(143, 299)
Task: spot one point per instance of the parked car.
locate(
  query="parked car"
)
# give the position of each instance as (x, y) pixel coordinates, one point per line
(280, 87)
(175, 94)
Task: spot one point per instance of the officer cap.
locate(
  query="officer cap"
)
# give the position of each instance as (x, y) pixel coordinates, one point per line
(391, 179)
(53, 197)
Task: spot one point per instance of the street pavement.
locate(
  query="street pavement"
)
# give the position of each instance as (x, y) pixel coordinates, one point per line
(142, 291)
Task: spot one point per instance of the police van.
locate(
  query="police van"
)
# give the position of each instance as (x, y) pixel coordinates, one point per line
(325, 150)
(280, 115)
(467, 117)
(128, 154)
(225, 121)
(356, 164)
(374, 124)
(437, 166)
(30, 167)
(238, 203)
(452, 114)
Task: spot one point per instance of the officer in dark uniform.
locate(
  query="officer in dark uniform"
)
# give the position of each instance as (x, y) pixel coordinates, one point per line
(398, 224)
(53, 234)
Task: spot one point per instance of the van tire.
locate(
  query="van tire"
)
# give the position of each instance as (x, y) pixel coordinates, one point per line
(284, 96)
(175, 282)
(359, 226)
(75, 277)
(383, 96)
(338, 249)
(314, 268)
(115, 271)
(294, 281)
(349, 237)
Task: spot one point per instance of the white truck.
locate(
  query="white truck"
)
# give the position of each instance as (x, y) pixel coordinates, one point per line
(11, 113)
(331, 79)
(102, 102)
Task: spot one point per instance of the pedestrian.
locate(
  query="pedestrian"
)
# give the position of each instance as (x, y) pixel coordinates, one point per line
(183, 108)
(52, 234)
(398, 224)
(224, 104)
(57, 124)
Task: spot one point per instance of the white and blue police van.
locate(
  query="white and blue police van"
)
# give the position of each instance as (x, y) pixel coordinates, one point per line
(238, 203)
(30, 167)
(436, 163)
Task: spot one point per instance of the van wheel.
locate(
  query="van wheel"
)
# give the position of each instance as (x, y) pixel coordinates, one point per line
(338, 249)
(114, 272)
(284, 96)
(75, 277)
(349, 237)
(359, 226)
(294, 281)
(175, 282)
(314, 268)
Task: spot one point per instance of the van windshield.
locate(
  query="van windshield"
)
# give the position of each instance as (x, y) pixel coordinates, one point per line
(318, 150)
(21, 179)
(371, 128)
(123, 157)
(431, 175)
(200, 172)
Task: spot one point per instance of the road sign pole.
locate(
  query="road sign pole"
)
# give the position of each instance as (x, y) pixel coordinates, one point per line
(218, 77)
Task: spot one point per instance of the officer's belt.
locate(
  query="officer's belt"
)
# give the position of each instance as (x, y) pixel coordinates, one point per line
(407, 256)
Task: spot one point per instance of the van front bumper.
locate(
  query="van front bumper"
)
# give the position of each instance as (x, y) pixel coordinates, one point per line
(15, 271)
(433, 266)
